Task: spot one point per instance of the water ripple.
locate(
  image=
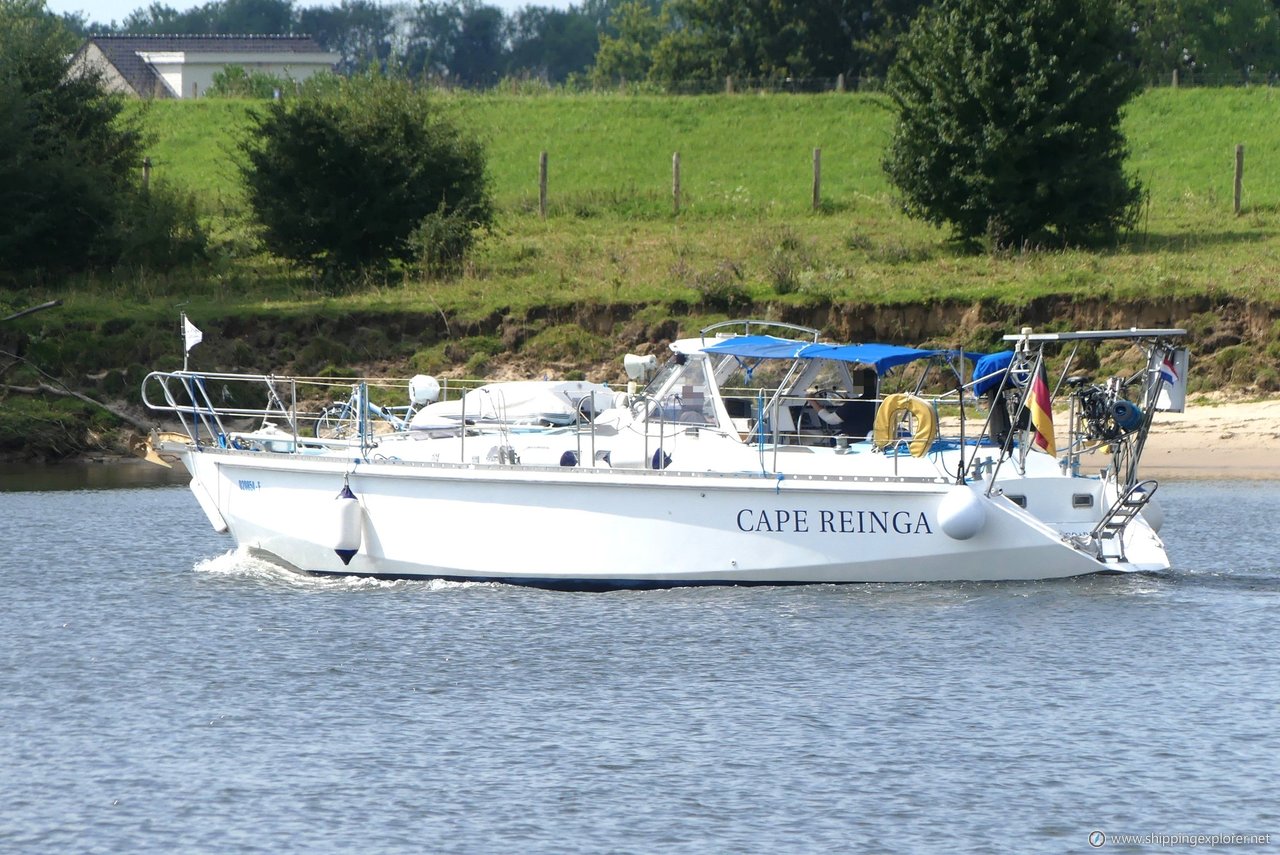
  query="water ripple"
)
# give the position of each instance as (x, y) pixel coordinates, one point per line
(159, 693)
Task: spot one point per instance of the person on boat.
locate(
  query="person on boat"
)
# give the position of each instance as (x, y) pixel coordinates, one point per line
(853, 418)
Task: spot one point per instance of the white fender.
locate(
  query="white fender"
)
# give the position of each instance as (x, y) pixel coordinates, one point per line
(349, 518)
(961, 513)
(1153, 513)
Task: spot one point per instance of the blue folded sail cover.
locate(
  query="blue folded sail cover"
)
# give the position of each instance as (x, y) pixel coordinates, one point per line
(882, 357)
(990, 370)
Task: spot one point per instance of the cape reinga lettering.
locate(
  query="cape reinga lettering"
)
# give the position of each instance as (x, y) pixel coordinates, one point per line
(831, 521)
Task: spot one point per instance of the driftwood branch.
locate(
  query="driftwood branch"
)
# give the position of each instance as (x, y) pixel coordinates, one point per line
(65, 393)
(49, 305)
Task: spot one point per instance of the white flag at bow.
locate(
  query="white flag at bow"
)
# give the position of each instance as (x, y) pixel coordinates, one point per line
(191, 335)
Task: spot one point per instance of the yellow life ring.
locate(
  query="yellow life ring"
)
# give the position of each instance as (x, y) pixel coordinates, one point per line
(887, 417)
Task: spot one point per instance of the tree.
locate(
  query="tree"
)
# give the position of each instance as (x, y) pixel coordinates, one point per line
(161, 18)
(225, 17)
(340, 177)
(627, 52)
(1204, 40)
(250, 17)
(1009, 121)
(879, 30)
(774, 39)
(550, 43)
(479, 51)
(461, 40)
(432, 34)
(69, 159)
(359, 30)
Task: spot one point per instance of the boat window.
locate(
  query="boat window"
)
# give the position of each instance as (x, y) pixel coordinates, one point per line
(686, 395)
(663, 377)
(829, 375)
(744, 382)
(1082, 500)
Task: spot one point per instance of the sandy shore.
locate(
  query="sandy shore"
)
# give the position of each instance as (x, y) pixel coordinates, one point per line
(1220, 439)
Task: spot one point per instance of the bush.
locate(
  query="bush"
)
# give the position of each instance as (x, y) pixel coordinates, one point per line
(68, 159)
(1009, 121)
(160, 230)
(566, 343)
(340, 177)
(442, 240)
(722, 289)
(788, 262)
(235, 82)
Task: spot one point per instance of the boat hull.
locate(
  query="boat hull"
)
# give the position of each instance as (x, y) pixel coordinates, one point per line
(600, 529)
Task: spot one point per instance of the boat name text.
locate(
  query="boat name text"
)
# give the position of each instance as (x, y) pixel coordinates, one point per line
(803, 521)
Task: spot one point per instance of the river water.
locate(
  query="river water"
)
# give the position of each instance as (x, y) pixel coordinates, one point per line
(160, 693)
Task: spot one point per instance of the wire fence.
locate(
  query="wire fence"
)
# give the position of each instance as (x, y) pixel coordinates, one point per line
(1188, 78)
(731, 85)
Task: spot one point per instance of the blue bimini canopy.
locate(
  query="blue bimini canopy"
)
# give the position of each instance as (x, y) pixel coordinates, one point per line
(759, 347)
(881, 357)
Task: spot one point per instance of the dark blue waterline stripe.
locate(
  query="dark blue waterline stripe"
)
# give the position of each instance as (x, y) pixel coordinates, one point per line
(583, 585)
(597, 586)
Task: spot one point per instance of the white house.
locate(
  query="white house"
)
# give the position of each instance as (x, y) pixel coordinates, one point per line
(184, 66)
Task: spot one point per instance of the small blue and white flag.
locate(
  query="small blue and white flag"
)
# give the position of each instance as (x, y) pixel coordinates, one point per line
(1172, 369)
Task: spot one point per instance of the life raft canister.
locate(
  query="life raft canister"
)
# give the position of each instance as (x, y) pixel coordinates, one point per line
(892, 409)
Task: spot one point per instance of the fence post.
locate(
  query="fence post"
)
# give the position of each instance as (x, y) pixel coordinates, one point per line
(728, 85)
(146, 174)
(542, 185)
(840, 82)
(1239, 177)
(817, 178)
(675, 182)
(1174, 80)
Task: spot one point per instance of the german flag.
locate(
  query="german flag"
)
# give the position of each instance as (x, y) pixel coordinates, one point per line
(1042, 413)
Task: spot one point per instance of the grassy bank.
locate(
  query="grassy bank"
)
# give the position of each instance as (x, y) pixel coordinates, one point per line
(612, 265)
(746, 231)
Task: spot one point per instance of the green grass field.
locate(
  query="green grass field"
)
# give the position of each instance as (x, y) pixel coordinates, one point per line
(746, 226)
(750, 155)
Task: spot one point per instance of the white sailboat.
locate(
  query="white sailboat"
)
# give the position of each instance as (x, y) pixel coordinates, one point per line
(722, 470)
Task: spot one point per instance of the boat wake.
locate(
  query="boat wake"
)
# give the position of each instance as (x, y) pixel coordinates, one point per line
(1264, 579)
(247, 565)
